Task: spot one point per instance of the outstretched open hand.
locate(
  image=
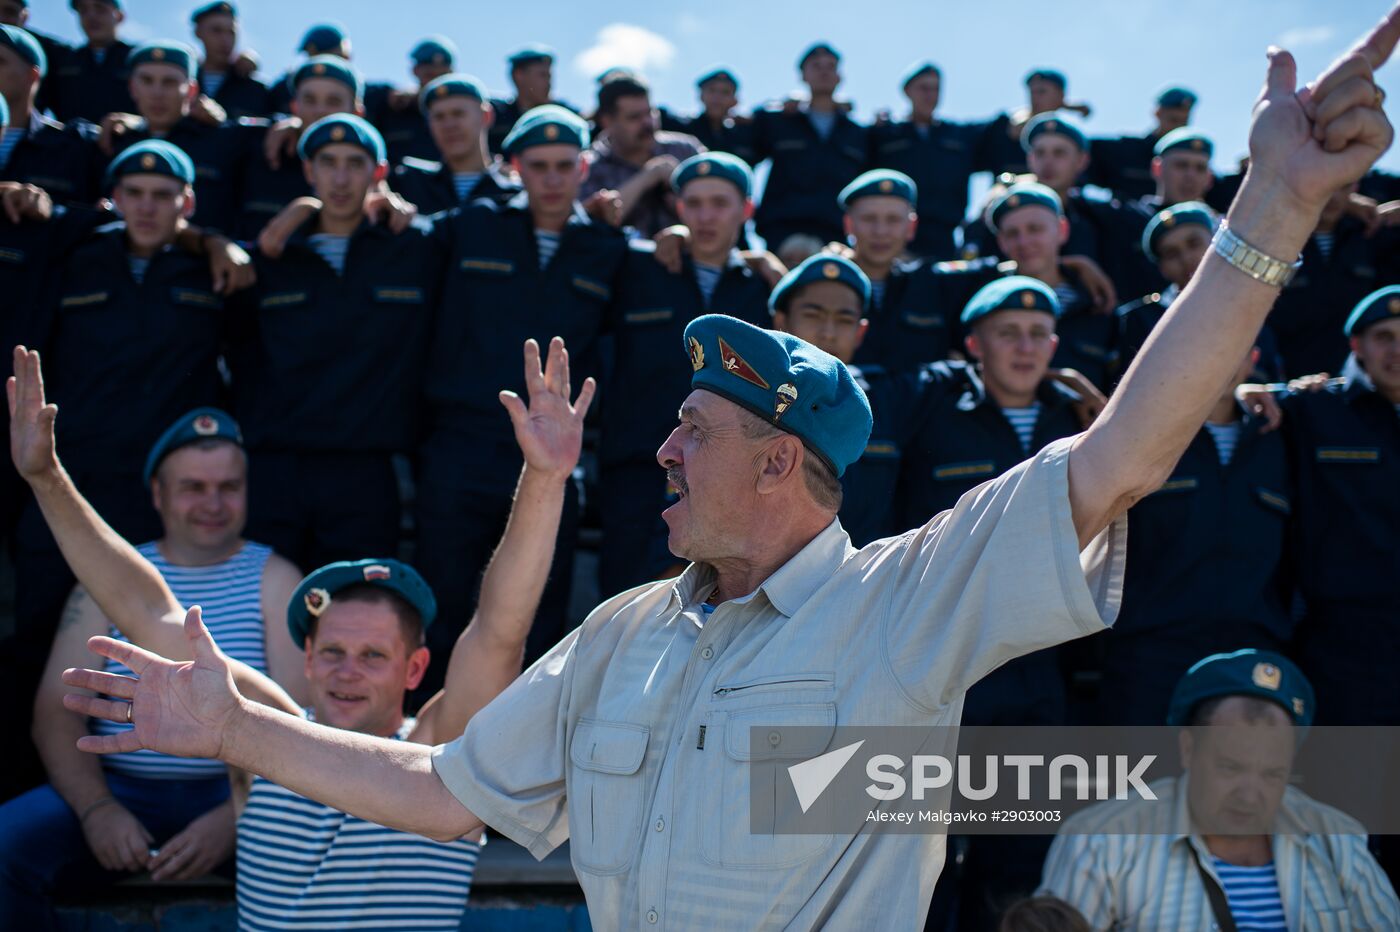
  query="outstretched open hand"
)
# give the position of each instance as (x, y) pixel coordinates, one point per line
(176, 708)
(31, 417)
(550, 430)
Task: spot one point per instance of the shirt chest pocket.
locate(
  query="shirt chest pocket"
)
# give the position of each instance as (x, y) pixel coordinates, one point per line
(82, 302)
(606, 794)
(648, 317)
(486, 267)
(748, 810)
(195, 299)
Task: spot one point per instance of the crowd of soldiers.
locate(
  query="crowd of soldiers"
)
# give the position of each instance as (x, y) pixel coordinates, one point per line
(351, 269)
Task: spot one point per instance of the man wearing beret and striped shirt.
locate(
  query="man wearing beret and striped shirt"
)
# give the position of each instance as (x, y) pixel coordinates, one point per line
(779, 622)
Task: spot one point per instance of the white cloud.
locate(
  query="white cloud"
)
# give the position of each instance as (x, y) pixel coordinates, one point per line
(1301, 36)
(623, 45)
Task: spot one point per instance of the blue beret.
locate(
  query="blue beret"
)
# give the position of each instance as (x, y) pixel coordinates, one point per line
(1176, 97)
(116, 3)
(918, 70)
(4, 113)
(813, 49)
(1049, 74)
(209, 9)
(450, 85)
(151, 157)
(192, 427)
(786, 381)
(548, 124)
(1260, 673)
(530, 53)
(879, 182)
(1169, 218)
(714, 165)
(313, 596)
(329, 66)
(434, 50)
(1056, 124)
(1012, 293)
(341, 127)
(1374, 308)
(320, 39)
(1026, 194)
(715, 73)
(25, 46)
(823, 267)
(1186, 139)
(163, 52)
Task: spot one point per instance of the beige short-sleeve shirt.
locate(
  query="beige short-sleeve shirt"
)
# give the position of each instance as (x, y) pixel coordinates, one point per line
(598, 742)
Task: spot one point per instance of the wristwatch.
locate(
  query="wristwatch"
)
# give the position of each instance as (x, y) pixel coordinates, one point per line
(1257, 265)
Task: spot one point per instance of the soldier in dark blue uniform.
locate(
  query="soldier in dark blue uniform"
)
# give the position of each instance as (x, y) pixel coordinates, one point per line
(647, 318)
(1207, 569)
(220, 78)
(1344, 444)
(397, 115)
(814, 151)
(328, 367)
(1123, 164)
(90, 81)
(940, 156)
(1180, 170)
(534, 268)
(1341, 265)
(1046, 90)
(163, 86)
(321, 39)
(532, 74)
(16, 13)
(718, 126)
(63, 160)
(458, 117)
(324, 85)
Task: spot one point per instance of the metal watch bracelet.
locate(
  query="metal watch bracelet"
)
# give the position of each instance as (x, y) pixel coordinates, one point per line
(1259, 266)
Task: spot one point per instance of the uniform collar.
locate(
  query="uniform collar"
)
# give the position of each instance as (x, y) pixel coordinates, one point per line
(790, 586)
(1049, 393)
(521, 202)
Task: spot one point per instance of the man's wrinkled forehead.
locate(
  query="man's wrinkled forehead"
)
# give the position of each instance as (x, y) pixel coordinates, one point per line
(707, 409)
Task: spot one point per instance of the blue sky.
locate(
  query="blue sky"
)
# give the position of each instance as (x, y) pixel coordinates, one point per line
(1117, 53)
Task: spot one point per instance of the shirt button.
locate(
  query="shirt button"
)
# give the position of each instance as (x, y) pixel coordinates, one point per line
(707, 653)
(660, 825)
(651, 915)
(774, 738)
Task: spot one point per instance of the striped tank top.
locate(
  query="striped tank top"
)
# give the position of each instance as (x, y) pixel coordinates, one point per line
(304, 865)
(230, 594)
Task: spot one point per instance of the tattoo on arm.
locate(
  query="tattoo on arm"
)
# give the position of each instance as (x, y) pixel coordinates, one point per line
(73, 608)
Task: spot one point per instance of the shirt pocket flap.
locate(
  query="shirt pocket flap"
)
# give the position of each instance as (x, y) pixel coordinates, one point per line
(278, 299)
(964, 470)
(650, 315)
(609, 747)
(792, 732)
(482, 265)
(1353, 455)
(402, 294)
(591, 287)
(83, 299)
(195, 297)
(1275, 501)
(1178, 484)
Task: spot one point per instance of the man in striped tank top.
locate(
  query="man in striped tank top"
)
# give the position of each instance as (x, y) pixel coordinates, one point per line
(302, 864)
(143, 810)
(1237, 847)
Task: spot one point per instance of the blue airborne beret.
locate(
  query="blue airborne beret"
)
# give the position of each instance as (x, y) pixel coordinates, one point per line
(1055, 124)
(1012, 293)
(434, 50)
(25, 46)
(163, 52)
(1169, 218)
(1176, 97)
(192, 427)
(151, 157)
(315, 593)
(530, 53)
(4, 113)
(548, 124)
(814, 49)
(1026, 194)
(1250, 672)
(714, 165)
(116, 3)
(322, 38)
(1049, 74)
(879, 182)
(341, 127)
(209, 9)
(1374, 308)
(786, 381)
(823, 267)
(1185, 139)
(329, 66)
(918, 70)
(450, 85)
(715, 74)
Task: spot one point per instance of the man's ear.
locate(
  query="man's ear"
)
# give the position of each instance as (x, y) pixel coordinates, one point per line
(381, 171)
(1083, 163)
(781, 461)
(861, 332)
(417, 667)
(748, 211)
(188, 210)
(488, 115)
(1064, 230)
(973, 345)
(1157, 168)
(846, 225)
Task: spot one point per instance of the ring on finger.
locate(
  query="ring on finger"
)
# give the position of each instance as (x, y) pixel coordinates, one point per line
(128, 713)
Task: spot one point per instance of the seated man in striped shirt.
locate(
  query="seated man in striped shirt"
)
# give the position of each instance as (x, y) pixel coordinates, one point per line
(302, 864)
(143, 810)
(1238, 848)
